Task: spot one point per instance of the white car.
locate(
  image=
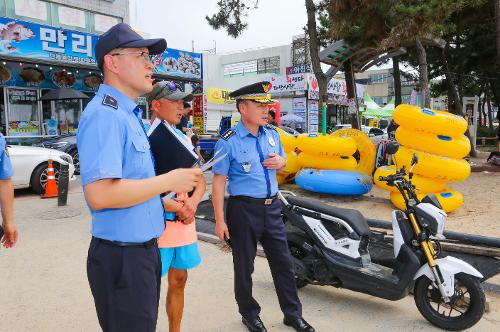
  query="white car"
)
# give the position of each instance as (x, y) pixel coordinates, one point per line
(30, 166)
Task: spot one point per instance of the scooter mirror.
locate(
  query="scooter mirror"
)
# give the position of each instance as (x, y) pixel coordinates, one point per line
(392, 147)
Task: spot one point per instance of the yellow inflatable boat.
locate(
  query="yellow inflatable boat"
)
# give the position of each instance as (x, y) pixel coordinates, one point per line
(422, 184)
(326, 146)
(434, 166)
(449, 199)
(345, 163)
(435, 122)
(366, 148)
(288, 141)
(447, 146)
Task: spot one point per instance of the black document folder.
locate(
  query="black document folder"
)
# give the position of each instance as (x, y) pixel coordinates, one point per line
(170, 150)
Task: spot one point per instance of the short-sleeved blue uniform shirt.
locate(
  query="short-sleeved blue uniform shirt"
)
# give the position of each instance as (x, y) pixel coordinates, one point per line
(243, 164)
(6, 171)
(113, 145)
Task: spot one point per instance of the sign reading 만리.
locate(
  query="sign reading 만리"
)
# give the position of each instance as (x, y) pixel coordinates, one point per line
(31, 40)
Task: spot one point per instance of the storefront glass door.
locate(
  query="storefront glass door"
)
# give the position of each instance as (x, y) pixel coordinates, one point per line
(23, 116)
(67, 113)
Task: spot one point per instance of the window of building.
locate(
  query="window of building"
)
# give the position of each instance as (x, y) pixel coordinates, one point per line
(378, 78)
(268, 65)
(71, 17)
(103, 22)
(259, 66)
(241, 68)
(34, 10)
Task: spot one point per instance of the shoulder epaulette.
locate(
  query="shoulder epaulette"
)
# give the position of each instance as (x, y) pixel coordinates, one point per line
(110, 101)
(270, 126)
(228, 134)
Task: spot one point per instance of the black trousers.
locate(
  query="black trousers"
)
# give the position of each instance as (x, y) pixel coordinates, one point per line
(125, 283)
(249, 223)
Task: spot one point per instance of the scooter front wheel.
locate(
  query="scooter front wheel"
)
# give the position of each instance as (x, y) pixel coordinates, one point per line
(466, 306)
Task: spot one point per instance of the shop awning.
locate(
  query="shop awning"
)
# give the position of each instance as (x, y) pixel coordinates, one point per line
(64, 93)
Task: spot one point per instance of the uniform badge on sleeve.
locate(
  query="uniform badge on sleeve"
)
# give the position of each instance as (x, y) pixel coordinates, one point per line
(110, 101)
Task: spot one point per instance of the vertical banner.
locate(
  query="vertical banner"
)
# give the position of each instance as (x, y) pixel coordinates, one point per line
(205, 113)
(312, 116)
(198, 115)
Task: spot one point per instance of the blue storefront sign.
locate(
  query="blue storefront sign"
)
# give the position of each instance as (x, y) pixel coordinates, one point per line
(42, 42)
(22, 39)
(47, 77)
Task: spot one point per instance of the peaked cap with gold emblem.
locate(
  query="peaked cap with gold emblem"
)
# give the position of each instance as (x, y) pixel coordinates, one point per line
(257, 92)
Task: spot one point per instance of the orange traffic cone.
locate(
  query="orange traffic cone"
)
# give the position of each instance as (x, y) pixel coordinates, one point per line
(51, 185)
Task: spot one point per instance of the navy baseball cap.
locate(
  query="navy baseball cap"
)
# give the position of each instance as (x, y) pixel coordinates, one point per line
(122, 36)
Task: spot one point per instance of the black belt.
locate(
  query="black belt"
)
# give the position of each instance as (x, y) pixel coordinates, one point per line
(248, 199)
(146, 244)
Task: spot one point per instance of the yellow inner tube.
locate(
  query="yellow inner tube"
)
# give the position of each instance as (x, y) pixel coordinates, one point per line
(434, 166)
(447, 146)
(346, 163)
(449, 199)
(326, 146)
(288, 141)
(436, 122)
(422, 184)
(288, 172)
(366, 148)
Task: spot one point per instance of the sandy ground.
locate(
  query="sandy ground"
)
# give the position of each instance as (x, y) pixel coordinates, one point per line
(44, 286)
(43, 283)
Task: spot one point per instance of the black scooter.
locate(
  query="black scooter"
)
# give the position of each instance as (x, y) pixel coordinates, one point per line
(329, 246)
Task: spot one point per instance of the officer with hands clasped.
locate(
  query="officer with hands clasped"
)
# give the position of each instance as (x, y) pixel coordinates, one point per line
(120, 186)
(254, 154)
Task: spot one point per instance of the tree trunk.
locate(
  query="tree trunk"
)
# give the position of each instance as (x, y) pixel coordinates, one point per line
(397, 80)
(490, 110)
(424, 76)
(316, 64)
(456, 98)
(350, 83)
(497, 24)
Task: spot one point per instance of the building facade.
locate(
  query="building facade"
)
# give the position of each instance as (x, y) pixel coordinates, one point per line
(48, 45)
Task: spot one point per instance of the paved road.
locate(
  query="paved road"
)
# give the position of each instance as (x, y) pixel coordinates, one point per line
(43, 285)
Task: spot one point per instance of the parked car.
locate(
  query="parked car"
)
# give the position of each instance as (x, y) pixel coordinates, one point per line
(67, 144)
(30, 166)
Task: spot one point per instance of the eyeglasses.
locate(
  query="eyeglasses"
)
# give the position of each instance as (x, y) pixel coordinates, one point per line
(146, 57)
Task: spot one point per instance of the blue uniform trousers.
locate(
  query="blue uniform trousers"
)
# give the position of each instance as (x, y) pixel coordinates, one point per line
(125, 283)
(249, 223)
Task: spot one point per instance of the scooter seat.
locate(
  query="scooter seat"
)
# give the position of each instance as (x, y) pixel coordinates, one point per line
(353, 217)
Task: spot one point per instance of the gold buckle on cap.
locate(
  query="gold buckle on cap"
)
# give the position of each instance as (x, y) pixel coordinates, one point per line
(268, 201)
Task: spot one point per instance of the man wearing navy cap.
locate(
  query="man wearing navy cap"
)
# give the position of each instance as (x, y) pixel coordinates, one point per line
(120, 186)
(254, 154)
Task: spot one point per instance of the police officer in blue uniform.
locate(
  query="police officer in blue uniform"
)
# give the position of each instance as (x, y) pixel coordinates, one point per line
(120, 186)
(8, 231)
(254, 154)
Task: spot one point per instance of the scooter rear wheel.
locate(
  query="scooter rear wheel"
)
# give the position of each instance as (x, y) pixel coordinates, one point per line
(465, 309)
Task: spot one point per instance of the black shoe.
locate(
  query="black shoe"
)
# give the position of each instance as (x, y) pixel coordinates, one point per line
(254, 325)
(299, 324)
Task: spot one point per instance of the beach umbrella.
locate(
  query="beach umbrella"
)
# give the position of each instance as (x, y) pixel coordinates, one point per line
(64, 93)
(291, 118)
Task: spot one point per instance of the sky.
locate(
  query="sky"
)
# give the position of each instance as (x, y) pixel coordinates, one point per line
(273, 23)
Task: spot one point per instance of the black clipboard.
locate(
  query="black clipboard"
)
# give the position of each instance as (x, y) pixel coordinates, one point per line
(170, 150)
